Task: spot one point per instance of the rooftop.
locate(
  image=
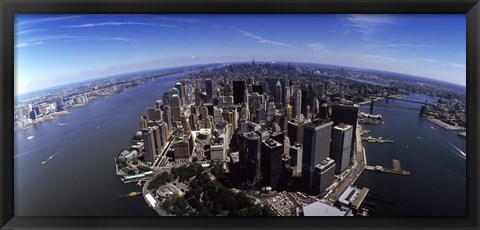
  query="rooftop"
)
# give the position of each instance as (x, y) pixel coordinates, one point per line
(321, 209)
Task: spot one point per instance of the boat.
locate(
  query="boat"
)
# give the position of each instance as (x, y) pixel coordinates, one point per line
(43, 162)
(30, 137)
(134, 193)
(419, 138)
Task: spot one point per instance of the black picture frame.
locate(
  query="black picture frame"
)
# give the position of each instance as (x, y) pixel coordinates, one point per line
(8, 8)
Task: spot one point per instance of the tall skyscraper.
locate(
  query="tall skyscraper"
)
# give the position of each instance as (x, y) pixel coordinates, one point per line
(182, 93)
(298, 104)
(342, 135)
(175, 107)
(250, 158)
(316, 148)
(296, 152)
(271, 162)
(278, 95)
(209, 89)
(149, 145)
(323, 176)
(347, 114)
(239, 88)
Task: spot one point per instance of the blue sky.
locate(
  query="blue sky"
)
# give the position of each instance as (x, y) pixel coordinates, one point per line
(57, 49)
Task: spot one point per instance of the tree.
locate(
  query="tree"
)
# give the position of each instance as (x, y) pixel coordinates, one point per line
(135, 161)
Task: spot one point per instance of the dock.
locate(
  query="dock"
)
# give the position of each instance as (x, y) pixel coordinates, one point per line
(396, 169)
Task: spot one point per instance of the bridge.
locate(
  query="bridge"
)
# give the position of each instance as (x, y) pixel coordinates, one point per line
(412, 101)
(425, 103)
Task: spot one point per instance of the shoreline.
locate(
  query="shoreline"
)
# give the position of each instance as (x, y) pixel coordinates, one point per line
(444, 125)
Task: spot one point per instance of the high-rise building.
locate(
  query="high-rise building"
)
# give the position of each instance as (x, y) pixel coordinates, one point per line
(257, 89)
(271, 162)
(182, 93)
(347, 114)
(175, 107)
(209, 89)
(342, 135)
(323, 176)
(295, 132)
(298, 104)
(149, 145)
(181, 149)
(288, 112)
(239, 88)
(250, 158)
(296, 156)
(158, 104)
(316, 148)
(272, 84)
(278, 95)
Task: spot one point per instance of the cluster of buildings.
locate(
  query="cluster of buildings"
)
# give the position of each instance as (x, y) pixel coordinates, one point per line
(266, 125)
(31, 114)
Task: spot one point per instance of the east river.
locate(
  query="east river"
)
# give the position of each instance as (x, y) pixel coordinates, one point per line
(79, 178)
(434, 156)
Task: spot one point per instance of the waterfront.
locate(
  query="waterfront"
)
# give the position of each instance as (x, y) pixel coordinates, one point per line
(434, 156)
(79, 179)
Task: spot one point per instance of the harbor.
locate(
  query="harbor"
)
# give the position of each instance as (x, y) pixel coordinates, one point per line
(396, 169)
(377, 140)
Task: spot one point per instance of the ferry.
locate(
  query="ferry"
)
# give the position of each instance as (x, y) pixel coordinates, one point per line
(134, 193)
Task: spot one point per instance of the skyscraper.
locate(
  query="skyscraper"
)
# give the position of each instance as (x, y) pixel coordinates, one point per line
(323, 176)
(209, 89)
(341, 146)
(278, 95)
(250, 158)
(149, 145)
(239, 88)
(296, 155)
(298, 104)
(271, 162)
(347, 114)
(316, 148)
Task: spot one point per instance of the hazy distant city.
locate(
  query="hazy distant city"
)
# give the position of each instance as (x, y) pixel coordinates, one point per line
(240, 138)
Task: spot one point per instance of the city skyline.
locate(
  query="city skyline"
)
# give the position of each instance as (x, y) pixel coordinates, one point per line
(53, 50)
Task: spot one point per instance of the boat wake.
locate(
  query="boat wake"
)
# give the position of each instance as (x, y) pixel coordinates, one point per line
(62, 124)
(30, 137)
(44, 162)
(457, 151)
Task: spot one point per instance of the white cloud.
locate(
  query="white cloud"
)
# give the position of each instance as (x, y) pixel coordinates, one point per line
(116, 39)
(27, 44)
(108, 24)
(457, 65)
(399, 45)
(259, 39)
(49, 19)
(41, 40)
(29, 31)
(367, 24)
(378, 58)
(168, 26)
(425, 59)
(316, 46)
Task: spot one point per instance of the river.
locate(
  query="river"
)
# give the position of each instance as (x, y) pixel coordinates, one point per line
(80, 179)
(434, 156)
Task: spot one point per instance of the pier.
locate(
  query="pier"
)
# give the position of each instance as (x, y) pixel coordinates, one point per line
(396, 169)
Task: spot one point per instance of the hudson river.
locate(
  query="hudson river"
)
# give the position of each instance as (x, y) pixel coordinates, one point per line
(80, 178)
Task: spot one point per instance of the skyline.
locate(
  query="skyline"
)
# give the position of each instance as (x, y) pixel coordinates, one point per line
(53, 50)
